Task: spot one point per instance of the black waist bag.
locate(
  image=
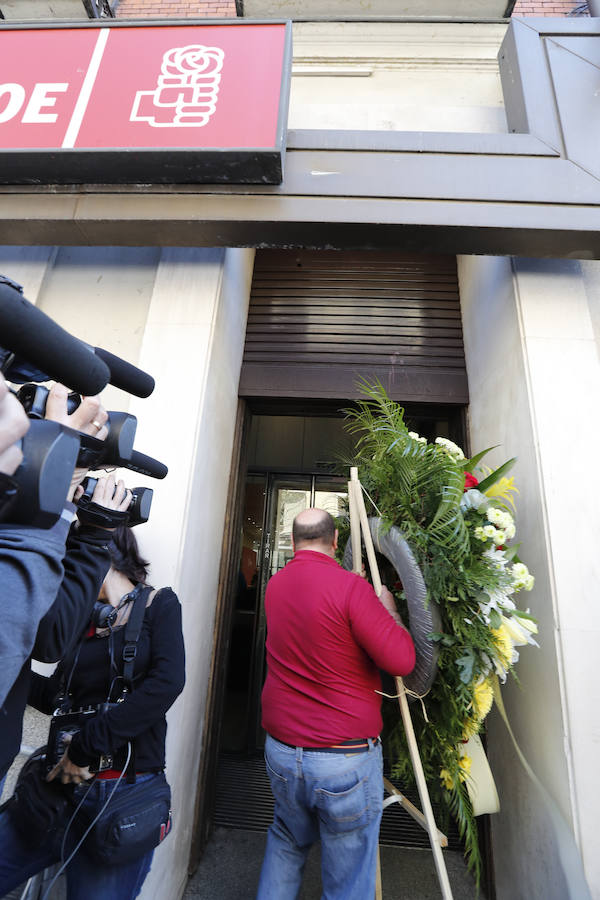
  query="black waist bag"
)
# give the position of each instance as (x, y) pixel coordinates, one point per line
(134, 822)
(38, 809)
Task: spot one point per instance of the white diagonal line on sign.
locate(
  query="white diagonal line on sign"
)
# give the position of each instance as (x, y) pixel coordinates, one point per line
(86, 89)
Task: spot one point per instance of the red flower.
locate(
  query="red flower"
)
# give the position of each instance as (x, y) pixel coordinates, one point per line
(470, 481)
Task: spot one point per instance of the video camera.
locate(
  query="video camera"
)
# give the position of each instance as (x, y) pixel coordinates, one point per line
(34, 349)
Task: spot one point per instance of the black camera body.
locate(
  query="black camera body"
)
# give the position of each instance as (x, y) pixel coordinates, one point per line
(116, 450)
(138, 511)
(41, 482)
(64, 725)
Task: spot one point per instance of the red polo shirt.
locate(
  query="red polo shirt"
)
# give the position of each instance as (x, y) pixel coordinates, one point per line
(327, 636)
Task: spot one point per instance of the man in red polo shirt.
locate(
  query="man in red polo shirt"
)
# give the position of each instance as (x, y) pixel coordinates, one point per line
(327, 636)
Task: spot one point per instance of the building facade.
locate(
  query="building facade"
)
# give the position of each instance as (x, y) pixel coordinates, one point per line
(166, 278)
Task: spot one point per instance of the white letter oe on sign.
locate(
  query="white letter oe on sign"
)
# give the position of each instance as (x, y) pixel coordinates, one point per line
(12, 98)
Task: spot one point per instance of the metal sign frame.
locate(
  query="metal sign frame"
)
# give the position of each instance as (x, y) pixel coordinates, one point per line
(161, 165)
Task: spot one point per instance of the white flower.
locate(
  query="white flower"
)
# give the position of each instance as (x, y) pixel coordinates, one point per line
(417, 437)
(521, 577)
(518, 636)
(499, 538)
(450, 447)
(527, 625)
(489, 531)
(480, 534)
(495, 515)
(473, 499)
(510, 532)
(496, 556)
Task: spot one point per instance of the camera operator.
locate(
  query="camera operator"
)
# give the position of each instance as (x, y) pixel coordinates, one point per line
(31, 567)
(86, 563)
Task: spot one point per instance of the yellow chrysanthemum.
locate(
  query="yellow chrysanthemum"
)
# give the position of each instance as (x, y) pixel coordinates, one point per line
(504, 646)
(464, 764)
(482, 699)
(446, 779)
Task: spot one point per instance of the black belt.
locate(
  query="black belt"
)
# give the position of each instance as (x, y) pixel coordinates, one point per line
(359, 745)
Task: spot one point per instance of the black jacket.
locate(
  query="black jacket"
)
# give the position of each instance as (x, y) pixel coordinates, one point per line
(159, 677)
(86, 563)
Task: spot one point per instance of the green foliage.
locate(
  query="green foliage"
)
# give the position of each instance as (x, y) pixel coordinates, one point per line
(420, 488)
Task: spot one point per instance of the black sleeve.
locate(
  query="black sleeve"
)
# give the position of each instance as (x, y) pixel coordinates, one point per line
(86, 563)
(151, 698)
(43, 691)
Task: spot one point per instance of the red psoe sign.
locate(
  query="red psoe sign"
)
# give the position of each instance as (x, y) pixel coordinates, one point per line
(151, 103)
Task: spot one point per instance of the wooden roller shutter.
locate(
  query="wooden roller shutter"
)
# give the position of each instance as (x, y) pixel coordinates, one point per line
(319, 320)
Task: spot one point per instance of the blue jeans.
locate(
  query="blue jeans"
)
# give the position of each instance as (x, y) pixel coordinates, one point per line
(86, 879)
(336, 797)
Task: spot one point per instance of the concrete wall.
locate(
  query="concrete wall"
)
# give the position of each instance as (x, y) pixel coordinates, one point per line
(533, 371)
(179, 314)
(397, 76)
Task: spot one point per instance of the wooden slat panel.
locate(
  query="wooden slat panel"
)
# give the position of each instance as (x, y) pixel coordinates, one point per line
(319, 320)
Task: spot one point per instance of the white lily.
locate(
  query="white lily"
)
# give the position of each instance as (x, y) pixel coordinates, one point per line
(529, 627)
(518, 634)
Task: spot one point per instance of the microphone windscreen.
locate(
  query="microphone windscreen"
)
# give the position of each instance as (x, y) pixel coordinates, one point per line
(145, 465)
(125, 376)
(36, 337)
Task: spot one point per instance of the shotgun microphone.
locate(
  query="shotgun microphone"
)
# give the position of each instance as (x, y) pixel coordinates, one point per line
(34, 336)
(125, 376)
(145, 465)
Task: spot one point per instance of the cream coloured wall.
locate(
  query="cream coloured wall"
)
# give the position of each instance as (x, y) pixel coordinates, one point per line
(397, 76)
(533, 369)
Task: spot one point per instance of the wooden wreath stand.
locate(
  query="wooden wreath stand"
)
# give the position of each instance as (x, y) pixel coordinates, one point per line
(358, 523)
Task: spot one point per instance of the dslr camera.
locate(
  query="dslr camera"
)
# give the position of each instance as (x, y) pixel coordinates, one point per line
(63, 727)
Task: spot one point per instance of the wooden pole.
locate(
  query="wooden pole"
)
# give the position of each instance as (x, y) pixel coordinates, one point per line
(357, 568)
(404, 710)
(410, 808)
(354, 529)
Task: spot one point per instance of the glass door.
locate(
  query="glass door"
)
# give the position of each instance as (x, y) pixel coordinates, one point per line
(286, 497)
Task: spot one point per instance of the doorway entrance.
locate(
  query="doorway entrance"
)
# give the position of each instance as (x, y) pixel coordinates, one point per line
(292, 462)
(272, 501)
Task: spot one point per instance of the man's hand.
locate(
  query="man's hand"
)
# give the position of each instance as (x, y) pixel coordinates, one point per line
(68, 771)
(89, 418)
(13, 425)
(388, 601)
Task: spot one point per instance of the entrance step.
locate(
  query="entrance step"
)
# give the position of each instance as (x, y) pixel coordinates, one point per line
(230, 869)
(244, 800)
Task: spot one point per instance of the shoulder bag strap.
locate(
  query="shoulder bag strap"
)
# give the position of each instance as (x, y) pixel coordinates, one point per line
(132, 633)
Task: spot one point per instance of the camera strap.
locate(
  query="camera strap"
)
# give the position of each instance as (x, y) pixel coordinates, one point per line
(133, 629)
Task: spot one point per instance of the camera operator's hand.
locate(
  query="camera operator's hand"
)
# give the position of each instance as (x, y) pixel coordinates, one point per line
(89, 417)
(13, 425)
(110, 494)
(69, 773)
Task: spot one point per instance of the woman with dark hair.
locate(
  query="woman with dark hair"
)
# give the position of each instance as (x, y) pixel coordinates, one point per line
(130, 727)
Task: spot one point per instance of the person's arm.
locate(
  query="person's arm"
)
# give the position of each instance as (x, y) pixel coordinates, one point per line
(13, 425)
(31, 568)
(30, 573)
(86, 563)
(151, 697)
(378, 629)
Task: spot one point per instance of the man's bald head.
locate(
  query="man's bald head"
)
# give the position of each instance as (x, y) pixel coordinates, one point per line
(314, 529)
